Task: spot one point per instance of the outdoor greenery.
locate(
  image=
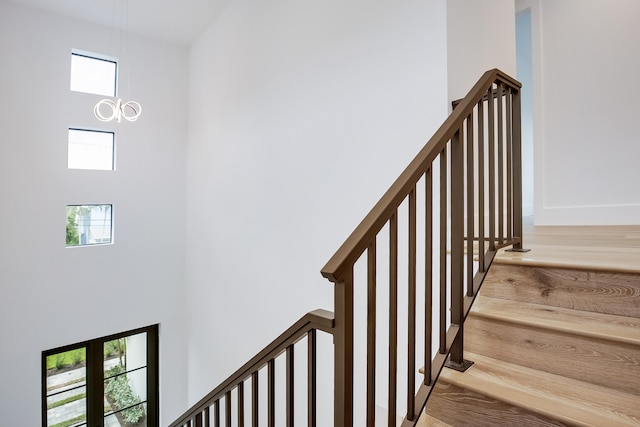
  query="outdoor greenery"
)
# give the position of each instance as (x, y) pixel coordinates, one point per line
(67, 358)
(117, 347)
(83, 216)
(72, 228)
(117, 386)
(118, 389)
(75, 357)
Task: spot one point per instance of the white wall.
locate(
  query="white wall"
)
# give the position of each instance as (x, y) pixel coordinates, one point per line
(524, 59)
(587, 156)
(480, 37)
(50, 295)
(301, 116)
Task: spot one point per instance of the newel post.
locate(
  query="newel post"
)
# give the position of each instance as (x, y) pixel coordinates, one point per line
(517, 171)
(456, 360)
(343, 351)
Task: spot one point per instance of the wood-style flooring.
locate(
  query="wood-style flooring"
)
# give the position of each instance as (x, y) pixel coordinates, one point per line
(554, 334)
(604, 248)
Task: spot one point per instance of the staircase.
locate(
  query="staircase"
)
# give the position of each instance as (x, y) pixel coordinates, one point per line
(554, 343)
(404, 281)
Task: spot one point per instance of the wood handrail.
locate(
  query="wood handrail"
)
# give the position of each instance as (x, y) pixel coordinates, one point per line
(358, 241)
(479, 161)
(318, 319)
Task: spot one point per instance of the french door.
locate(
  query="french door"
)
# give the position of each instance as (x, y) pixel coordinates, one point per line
(105, 382)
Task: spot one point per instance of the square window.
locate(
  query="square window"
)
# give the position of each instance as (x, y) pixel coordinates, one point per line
(92, 73)
(90, 149)
(89, 225)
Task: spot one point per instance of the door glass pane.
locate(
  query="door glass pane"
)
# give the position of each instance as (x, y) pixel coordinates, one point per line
(66, 388)
(119, 419)
(125, 382)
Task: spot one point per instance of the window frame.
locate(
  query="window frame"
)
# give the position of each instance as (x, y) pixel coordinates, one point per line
(97, 57)
(95, 375)
(102, 131)
(91, 205)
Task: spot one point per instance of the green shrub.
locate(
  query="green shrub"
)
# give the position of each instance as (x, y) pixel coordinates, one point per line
(120, 392)
(60, 361)
(111, 349)
(66, 358)
(72, 227)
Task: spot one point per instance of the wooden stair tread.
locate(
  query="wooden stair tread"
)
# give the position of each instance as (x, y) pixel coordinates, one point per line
(586, 290)
(586, 323)
(570, 401)
(606, 248)
(623, 260)
(427, 420)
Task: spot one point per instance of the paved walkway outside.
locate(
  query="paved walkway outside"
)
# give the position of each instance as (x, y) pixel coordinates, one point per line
(72, 383)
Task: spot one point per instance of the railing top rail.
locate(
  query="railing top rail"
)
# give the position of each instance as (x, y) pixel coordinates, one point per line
(358, 241)
(318, 319)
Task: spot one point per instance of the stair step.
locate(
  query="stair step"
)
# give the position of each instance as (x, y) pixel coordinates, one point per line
(593, 347)
(427, 420)
(569, 401)
(619, 253)
(604, 292)
(462, 407)
(585, 323)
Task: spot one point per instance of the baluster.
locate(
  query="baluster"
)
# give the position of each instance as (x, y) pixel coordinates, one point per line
(499, 98)
(290, 385)
(492, 171)
(393, 317)
(271, 393)
(371, 334)
(443, 251)
(481, 185)
(470, 203)
(227, 409)
(428, 277)
(411, 327)
(216, 413)
(241, 404)
(312, 375)
(254, 399)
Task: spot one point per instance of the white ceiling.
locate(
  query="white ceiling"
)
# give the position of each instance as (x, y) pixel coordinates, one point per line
(177, 21)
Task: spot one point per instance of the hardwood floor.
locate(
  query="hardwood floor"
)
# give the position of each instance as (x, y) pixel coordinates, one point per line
(604, 248)
(554, 334)
(608, 292)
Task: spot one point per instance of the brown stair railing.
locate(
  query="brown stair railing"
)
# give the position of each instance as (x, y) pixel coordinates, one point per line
(231, 392)
(440, 224)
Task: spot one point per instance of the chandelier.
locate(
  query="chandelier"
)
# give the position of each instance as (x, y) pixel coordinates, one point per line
(107, 110)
